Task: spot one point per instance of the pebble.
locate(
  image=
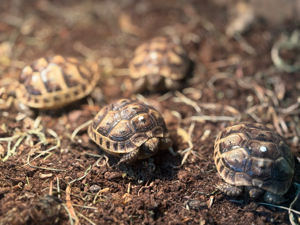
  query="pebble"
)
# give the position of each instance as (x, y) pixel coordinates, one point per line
(95, 188)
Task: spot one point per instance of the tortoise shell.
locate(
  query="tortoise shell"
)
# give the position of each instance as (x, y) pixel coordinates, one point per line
(125, 125)
(160, 56)
(252, 155)
(55, 82)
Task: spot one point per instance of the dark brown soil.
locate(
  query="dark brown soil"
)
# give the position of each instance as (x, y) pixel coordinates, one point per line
(75, 180)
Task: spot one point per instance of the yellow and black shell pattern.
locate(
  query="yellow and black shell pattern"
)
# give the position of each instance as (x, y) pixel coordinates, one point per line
(55, 82)
(252, 155)
(125, 125)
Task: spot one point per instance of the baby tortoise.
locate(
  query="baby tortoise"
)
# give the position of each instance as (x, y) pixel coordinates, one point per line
(158, 65)
(130, 129)
(50, 83)
(252, 156)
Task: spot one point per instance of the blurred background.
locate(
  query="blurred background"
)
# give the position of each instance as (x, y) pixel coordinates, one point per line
(109, 31)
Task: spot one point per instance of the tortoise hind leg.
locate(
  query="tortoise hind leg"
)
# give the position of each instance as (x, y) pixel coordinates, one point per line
(130, 157)
(230, 190)
(273, 199)
(254, 192)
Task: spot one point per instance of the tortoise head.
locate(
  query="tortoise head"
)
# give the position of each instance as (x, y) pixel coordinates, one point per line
(149, 148)
(155, 82)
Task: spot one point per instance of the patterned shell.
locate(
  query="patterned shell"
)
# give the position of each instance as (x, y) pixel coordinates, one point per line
(55, 82)
(252, 155)
(159, 56)
(125, 125)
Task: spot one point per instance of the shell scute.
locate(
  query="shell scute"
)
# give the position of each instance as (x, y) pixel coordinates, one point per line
(142, 122)
(232, 141)
(121, 131)
(287, 154)
(236, 159)
(133, 109)
(261, 167)
(260, 135)
(282, 169)
(139, 138)
(108, 122)
(263, 149)
(242, 179)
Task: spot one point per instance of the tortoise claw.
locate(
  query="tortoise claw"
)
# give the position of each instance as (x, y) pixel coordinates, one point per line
(229, 189)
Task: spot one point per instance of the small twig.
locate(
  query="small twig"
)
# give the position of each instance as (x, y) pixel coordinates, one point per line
(188, 101)
(84, 206)
(291, 216)
(87, 219)
(69, 204)
(51, 188)
(58, 187)
(69, 214)
(278, 206)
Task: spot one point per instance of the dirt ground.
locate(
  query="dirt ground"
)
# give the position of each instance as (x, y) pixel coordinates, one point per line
(49, 177)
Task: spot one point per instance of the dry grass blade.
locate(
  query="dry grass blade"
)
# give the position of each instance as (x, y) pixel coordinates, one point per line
(69, 205)
(186, 136)
(79, 128)
(142, 98)
(280, 207)
(165, 96)
(92, 106)
(99, 194)
(87, 219)
(105, 162)
(272, 95)
(46, 151)
(186, 100)
(69, 214)
(177, 114)
(272, 112)
(13, 151)
(85, 173)
(218, 76)
(291, 216)
(84, 206)
(196, 92)
(214, 106)
(290, 109)
(43, 168)
(201, 119)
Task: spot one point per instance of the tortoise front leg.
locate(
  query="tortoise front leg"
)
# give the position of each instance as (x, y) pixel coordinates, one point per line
(273, 199)
(173, 84)
(139, 85)
(230, 190)
(25, 109)
(129, 157)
